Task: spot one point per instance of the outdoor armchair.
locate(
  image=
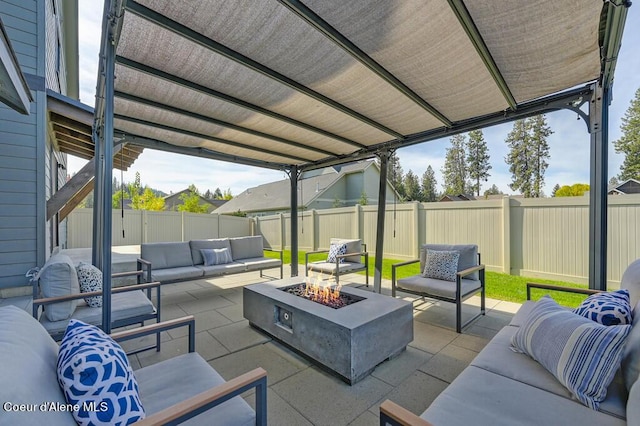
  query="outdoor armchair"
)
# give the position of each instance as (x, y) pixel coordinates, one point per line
(469, 280)
(348, 261)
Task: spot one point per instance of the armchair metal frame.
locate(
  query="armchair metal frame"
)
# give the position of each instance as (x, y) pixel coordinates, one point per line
(365, 266)
(281, 261)
(210, 398)
(480, 268)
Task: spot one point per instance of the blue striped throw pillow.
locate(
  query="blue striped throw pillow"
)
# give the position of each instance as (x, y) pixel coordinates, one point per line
(582, 354)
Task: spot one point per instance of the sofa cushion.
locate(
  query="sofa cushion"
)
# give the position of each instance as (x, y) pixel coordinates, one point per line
(197, 245)
(583, 355)
(441, 265)
(189, 375)
(353, 246)
(123, 306)
(631, 356)
(479, 397)
(167, 255)
(468, 256)
(95, 374)
(216, 256)
(607, 308)
(58, 277)
(90, 279)
(420, 284)
(336, 250)
(631, 281)
(498, 357)
(226, 268)
(28, 370)
(177, 273)
(246, 247)
(330, 268)
(633, 405)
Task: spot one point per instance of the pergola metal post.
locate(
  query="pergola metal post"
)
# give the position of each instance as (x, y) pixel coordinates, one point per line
(96, 244)
(382, 205)
(599, 123)
(293, 176)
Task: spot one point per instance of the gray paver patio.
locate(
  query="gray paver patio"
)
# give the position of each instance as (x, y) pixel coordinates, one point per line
(300, 393)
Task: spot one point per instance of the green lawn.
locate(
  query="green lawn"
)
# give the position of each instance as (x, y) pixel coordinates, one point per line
(499, 286)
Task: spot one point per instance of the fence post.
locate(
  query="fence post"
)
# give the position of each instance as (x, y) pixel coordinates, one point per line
(182, 226)
(415, 228)
(506, 235)
(313, 230)
(356, 221)
(145, 231)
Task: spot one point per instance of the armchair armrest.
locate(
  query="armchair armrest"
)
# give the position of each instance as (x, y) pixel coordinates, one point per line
(468, 271)
(395, 415)
(342, 256)
(275, 251)
(576, 290)
(394, 267)
(306, 256)
(210, 398)
(156, 328)
(145, 265)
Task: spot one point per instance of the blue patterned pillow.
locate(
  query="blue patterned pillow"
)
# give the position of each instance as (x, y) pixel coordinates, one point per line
(216, 256)
(441, 265)
(336, 250)
(582, 354)
(613, 308)
(94, 373)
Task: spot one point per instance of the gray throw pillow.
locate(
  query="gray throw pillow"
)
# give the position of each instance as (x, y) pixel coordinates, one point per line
(58, 277)
(216, 256)
(441, 265)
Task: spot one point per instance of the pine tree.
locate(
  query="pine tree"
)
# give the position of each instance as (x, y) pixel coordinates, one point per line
(429, 185)
(455, 167)
(540, 131)
(217, 194)
(412, 187)
(477, 160)
(555, 190)
(395, 175)
(493, 190)
(518, 158)
(629, 142)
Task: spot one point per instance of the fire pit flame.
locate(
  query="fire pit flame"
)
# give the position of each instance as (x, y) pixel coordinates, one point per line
(316, 291)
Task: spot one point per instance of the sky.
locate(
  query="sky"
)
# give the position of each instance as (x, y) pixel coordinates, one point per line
(569, 144)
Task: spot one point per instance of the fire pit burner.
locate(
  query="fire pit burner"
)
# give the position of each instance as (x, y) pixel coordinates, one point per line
(327, 296)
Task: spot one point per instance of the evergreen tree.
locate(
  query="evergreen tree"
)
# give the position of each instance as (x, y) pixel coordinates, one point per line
(614, 181)
(493, 190)
(217, 194)
(395, 175)
(193, 189)
(208, 195)
(455, 167)
(364, 200)
(412, 187)
(528, 155)
(429, 184)
(227, 194)
(629, 142)
(478, 160)
(555, 190)
(540, 131)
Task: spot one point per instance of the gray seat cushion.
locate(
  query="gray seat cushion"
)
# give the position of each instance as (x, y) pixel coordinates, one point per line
(255, 263)
(28, 358)
(479, 397)
(439, 288)
(176, 379)
(225, 268)
(123, 305)
(468, 256)
(197, 245)
(246, 247)
(330, 267)
(174, 274)
(167, 255)
(497, 357)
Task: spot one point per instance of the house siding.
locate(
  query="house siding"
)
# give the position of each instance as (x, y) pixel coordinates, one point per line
(23, 147)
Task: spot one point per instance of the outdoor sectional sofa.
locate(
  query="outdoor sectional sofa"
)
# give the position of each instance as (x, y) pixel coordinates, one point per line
(504, 387)
(179, 261)
(173, 390)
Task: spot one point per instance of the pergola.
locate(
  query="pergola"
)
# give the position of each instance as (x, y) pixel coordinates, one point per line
(294, 86)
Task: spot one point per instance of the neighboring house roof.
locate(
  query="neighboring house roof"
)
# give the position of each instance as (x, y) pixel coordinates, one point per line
(276, 195)
(629, 186)
(459, 197)
(173, 200)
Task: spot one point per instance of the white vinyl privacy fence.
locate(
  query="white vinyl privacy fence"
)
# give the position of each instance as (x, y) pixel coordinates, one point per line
(141, 226)
(547, 238)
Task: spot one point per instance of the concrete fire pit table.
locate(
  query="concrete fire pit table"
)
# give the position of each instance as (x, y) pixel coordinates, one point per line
(349, 341)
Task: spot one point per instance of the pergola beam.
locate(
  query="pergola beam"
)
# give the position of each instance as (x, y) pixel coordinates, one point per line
(195, 37)
(230, 99)
(217, 122)
(358, 54)
(469, 26)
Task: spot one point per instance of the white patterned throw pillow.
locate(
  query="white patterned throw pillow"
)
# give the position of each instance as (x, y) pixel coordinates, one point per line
(582, 354)
(90, 279)
(336, 250)
(94, 374)
(441, 265)
(607, 308)
(216, 256)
